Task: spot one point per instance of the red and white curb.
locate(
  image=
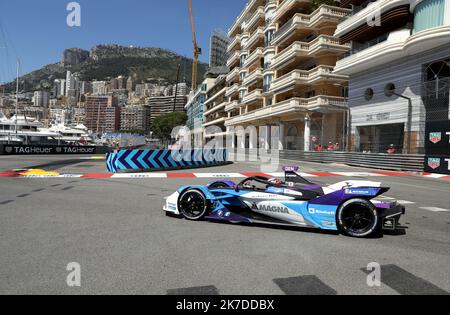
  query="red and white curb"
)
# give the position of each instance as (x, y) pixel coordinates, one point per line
(178, 175)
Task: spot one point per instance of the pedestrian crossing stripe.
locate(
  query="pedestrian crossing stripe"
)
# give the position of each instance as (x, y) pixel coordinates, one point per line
(396, 278)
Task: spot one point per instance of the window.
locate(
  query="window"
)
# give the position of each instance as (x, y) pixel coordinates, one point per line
(243, 58)
(267, 82)
(368, 95)
(310, 94)
(389, 90)
(429, 14)
(241, 95)
(268, 38)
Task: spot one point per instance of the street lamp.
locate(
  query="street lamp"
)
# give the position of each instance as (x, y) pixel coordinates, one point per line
(346, 123)
(389, 91)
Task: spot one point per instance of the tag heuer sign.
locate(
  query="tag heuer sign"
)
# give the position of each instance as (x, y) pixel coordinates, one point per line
(435, 137)
(434, 163)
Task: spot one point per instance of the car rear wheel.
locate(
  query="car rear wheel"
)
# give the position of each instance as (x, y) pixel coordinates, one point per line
(358, 218)
(218, 185)
(193, 204)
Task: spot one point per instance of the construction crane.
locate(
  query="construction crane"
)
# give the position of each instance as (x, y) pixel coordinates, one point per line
(197, 50)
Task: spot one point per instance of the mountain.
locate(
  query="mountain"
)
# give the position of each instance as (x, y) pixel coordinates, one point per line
(108, 61)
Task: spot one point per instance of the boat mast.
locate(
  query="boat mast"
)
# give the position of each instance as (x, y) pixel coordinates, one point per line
(17, 93)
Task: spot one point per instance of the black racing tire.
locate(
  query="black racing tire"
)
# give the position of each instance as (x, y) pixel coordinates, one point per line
(193, 205)
(218, 185)
(358, 218)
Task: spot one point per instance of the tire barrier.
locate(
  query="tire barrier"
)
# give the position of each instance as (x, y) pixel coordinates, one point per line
(159, 160)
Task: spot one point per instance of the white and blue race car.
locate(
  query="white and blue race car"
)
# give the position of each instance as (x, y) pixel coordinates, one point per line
(348, 207)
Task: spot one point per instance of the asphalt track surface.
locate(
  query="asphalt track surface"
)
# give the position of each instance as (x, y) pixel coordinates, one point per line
(115, 229)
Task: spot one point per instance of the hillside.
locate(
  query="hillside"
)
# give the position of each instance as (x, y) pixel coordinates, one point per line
(107, 61)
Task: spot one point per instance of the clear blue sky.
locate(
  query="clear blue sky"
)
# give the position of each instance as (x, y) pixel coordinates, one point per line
(37, 32)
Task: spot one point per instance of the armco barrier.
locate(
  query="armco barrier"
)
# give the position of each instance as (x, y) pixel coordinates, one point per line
(396, 162)
(135, 160)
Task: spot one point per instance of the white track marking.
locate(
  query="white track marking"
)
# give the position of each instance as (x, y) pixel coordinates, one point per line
(435, 175)
(434, 209)
(359, 174)
(276, 174)
(219, 175)
(406, 202)
(306, 175)
(53, 176)
(140, 175)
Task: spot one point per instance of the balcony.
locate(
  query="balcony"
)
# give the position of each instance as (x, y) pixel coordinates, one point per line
(233, 75)
(256, 56)
(360, 18)
(231, 106)
(235, 44)
(399, 44)
(215, 108)
(287, 6)
(254, 39)
(303, 77)
(234, 89)
(257, 17)
(322, 44)
(233, 60)
(250, 7)
(252, 97)
(213, 98)
(293, 106)
(324, 14)
(253, 77)
(215, 122)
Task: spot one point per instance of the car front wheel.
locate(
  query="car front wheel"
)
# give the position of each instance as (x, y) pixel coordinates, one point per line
(193, 204)
(358, 218)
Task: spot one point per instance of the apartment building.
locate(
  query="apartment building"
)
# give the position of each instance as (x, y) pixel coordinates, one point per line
(399, 68)
(215, 115)
(112, 119)
(135, 118)
(218, 55)
(102, 114)
(161, 105)
(195, 106)
(41, 99)
(282, 57)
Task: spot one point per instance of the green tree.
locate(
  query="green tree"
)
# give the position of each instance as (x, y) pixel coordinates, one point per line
(162, 126)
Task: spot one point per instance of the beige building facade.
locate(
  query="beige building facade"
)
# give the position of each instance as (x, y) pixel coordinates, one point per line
(282, 58)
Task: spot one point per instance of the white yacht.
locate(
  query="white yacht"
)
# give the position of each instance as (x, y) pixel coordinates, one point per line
(78, 134)
(24, 130)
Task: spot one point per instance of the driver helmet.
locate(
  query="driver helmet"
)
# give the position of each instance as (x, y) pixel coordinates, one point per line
(275, 181)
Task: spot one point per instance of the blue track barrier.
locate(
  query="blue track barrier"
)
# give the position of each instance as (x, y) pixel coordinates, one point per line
(129, 160)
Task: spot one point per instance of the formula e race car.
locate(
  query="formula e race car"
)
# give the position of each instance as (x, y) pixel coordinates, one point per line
(348, 207)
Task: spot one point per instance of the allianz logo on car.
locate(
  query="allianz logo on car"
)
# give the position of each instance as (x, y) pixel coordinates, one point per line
(317, 211)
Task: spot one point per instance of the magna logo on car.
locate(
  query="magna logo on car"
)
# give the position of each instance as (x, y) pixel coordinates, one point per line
(267, 208)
